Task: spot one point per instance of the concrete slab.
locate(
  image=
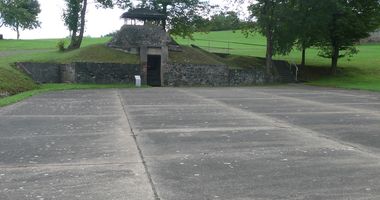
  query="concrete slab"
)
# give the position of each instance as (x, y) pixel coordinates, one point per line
(283, 142)
(70, 145)
(258, 143)
(108, 181)
(33, 125)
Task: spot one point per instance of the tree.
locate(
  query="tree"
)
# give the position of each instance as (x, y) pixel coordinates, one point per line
(74, 17)
(183, 17)
(310, 23)
(349, 21)
(272, 20)
(2, 8)
(19, 14)
(225, 21)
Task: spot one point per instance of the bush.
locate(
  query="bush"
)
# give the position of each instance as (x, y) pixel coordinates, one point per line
(61, 45)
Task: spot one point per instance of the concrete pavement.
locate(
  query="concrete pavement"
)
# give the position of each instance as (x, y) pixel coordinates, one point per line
(283, 142)
(259, 143)
(70, 145)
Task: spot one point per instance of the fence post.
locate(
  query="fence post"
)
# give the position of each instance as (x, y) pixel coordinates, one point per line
(228, 48)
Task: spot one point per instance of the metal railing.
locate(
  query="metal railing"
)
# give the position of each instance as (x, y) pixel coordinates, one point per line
(291, 65)
(219, 46)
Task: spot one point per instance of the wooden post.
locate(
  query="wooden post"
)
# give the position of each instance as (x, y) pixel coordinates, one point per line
(228, 48)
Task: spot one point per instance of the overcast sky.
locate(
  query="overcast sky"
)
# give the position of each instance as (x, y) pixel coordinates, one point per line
(99, 21)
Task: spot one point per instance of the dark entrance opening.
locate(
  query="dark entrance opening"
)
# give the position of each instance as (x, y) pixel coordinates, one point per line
(154, 70)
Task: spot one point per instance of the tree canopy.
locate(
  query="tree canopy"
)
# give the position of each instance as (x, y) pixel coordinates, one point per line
(183, 17)
(224, 21)
(19, 14)
(272, 20)
(349, 21)
(74, 17)
(334, 26)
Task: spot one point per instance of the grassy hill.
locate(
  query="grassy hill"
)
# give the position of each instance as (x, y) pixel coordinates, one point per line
(360, 72)
(8, 45)
(200, 56)
(11, 51)
(93, 50)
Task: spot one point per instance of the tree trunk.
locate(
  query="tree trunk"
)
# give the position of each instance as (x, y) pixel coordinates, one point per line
(83, 22)
(165, 12)
(76, 41)
(269, 53)
(72, 42)
(303, 62)
(334, 59)
(18, 31)
(73, 38)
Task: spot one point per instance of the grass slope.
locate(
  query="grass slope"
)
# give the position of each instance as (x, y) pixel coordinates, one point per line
(360, 72)
(8, 45)
(192, 55)
(91, 53)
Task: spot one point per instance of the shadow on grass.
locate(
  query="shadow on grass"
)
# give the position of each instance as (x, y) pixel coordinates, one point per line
(346, 78)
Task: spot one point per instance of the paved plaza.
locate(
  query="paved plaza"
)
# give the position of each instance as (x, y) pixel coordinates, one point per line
(280, 142)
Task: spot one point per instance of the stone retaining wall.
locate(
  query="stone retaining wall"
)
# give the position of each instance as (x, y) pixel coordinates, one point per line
(80, 72)
(42, 72)
(196, 75)
(240, 77)
(175, 74)
(105, 73)
(212, 75)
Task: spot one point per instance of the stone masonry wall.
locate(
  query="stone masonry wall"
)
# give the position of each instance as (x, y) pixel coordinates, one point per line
(175, 74)
(81, 72)
(105, 73)
(196, 75)
(131, 36)
(42, 72)
(240, 77)
(212, 75)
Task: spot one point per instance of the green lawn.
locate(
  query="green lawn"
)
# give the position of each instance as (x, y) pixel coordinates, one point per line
(8, 45)
(360, 72)
(89, 53)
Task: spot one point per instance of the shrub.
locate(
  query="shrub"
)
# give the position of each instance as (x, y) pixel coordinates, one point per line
(61, 45)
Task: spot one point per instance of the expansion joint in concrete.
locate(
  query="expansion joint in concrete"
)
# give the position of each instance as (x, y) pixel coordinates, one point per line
(123, 105)
(305, 132)
(76, 165)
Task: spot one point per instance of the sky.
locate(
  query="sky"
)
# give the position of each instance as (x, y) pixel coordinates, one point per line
(99, 21)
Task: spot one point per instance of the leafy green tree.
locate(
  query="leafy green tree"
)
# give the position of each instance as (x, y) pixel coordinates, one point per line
(74, 17)
(19, 14)
(225, 21)
(183, 17)
(272, 20)
(349, 21)
(333, 25)
(310, 23)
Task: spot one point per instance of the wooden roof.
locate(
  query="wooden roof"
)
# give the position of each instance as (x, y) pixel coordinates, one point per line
(143, 14)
